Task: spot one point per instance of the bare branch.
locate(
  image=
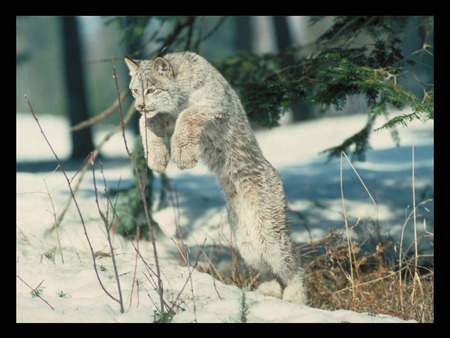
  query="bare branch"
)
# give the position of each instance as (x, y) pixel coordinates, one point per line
(102, 115)
(36, 294)
(95, 154)
(107, 229)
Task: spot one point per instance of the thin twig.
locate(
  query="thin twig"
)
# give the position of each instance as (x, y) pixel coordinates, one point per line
(416, 251)
(181, 24)
(100, 116)
(349, 244)
(233, 260)
(72, 193)
(181, 249)
(35, 293)
(138, 231)
(360, 179)
(188, 278)
(149, 41)
(54, 217)
(107, 229)
(96, 152)
(144, 200)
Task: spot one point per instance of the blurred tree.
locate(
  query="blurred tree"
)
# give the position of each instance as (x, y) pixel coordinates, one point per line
(243, 33)
(301, 111)
(357, 55)
(78, 112)
(38, 67)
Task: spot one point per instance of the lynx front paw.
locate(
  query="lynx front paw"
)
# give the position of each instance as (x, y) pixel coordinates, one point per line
(186, 157)
(157, 158)
(185, 150)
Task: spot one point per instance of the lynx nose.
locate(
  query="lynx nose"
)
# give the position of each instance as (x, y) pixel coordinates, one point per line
(140, 106)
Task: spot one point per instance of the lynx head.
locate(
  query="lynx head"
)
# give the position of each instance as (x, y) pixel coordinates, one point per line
(153, 86)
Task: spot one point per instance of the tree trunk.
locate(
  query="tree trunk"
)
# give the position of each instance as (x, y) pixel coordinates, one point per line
(243, 33)
(300, 111)
(81, 140)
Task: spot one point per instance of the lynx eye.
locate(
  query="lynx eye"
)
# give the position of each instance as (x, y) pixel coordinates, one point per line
(135, 92)
(151, 91)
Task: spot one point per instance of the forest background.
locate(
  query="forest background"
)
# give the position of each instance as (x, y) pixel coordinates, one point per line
(291, 67)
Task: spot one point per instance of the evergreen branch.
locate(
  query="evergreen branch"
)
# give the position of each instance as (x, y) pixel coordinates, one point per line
(399, 120)
(182, 23)
(360, 140)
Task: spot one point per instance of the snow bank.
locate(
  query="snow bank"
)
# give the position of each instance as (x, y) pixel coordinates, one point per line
(312, 186)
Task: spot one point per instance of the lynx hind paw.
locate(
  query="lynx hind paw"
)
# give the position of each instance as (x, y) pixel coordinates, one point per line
(294, 293)
(270, 288)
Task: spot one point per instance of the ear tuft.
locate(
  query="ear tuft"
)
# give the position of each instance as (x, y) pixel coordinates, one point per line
(132, 65)
(162, 67)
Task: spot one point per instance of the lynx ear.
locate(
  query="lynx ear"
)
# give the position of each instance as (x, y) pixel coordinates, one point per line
(162, 67)
(132, 65)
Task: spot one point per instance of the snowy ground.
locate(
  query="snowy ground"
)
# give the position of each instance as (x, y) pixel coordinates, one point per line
(312, 187)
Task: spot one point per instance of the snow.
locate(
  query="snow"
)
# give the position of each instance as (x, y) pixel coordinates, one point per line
(312, 187)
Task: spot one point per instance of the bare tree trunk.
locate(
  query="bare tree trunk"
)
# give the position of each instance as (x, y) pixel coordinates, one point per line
(243, 33)
(81, 140)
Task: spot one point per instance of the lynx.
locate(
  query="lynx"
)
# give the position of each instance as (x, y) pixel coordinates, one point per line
(181, 96)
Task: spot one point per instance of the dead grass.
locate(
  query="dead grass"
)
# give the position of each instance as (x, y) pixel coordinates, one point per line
(378, 285)
(367, 272)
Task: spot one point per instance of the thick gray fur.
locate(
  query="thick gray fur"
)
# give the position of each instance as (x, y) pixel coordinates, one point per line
(182, 97)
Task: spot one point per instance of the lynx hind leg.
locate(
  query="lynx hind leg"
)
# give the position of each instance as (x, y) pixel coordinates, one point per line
(286, 267)
(269, 286)
(293, 291)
